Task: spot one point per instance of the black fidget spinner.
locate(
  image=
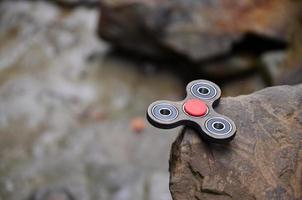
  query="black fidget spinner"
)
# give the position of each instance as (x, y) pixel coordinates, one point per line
(197, 111)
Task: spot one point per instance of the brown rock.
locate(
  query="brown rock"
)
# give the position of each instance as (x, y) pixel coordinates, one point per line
(195, 29)
(264, 161)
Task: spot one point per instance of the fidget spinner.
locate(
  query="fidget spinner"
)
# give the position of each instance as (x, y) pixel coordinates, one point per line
(196, 111)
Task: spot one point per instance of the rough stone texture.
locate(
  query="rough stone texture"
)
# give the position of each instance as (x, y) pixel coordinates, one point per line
(264, 161)
(195, 29)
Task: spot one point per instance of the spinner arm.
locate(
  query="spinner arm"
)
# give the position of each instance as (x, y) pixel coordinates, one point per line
(196, 111)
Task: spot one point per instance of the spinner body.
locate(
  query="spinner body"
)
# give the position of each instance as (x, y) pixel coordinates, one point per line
(196, 110)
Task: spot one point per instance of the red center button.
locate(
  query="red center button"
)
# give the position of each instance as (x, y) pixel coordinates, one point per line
(195, 107)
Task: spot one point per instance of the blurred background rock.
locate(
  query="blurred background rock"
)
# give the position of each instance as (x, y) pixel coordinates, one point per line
(77, 75)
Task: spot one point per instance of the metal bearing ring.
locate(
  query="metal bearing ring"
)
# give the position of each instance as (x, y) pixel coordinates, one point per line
(165, 112)
(218, 126)
(203, 90)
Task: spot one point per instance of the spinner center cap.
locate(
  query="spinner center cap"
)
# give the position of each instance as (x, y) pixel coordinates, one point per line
(195, 107)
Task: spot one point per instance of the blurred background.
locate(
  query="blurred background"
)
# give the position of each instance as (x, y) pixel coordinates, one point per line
(76, 77)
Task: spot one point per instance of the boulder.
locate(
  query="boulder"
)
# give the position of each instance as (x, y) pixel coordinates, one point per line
(264, 161)
(195, 29)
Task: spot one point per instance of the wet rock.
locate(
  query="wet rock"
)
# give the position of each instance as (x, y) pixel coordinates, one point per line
(193, 29)
(262, 162)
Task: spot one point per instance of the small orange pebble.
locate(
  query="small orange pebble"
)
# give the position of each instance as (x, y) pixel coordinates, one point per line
(138, 124)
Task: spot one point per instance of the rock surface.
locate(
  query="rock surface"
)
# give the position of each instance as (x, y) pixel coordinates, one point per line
(264, 161)
(194, 29)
